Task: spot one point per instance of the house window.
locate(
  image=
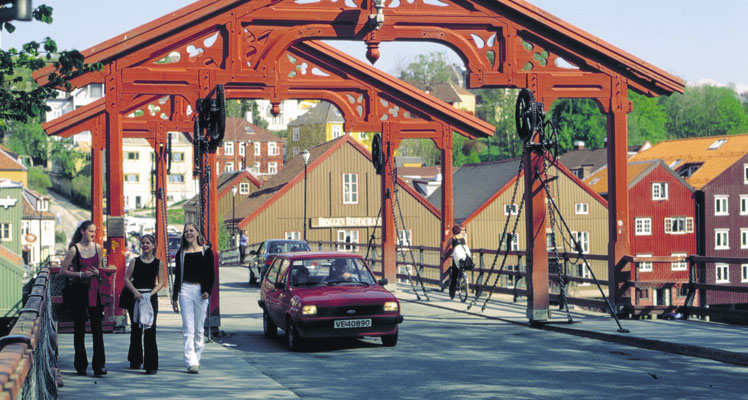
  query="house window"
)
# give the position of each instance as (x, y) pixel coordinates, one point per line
(720, 205)
(174, 178)
(133, 156)
(257, 148)
(659, 191)
(350, 188)
(743, 205)
(347, 237)
(745, 174)
(273, 149)
(229, 167)
(257, 166)
(717, 144)
(337, 131)
(582, 208)
(293, 235)
(177, 156)
(682, 291)
(643, 293)
(722, 273)
(744, 273)
(404, 238)
(242, 148)
(244, 188)
(6, 233)
(680, 265)
(228, 148)
(512, 239)
(511, 209)
(644, 266)
(584, 272)
(721, 239)
(362, 136)
(241, 166)
(272, 168)
(642, 226)
(132, 178)
(583, 239)
(744, 238)
(678, 225)
(295, 151)
(689, 169)
(661, 297)
(295, 134)
(550, 242)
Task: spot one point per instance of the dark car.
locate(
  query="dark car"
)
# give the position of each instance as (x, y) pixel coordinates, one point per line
(174, 242)
(326, 295)
(261, 258)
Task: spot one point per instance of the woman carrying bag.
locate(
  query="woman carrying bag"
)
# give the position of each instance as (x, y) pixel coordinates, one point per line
(144, 278)
(194, 276)
(83, 265)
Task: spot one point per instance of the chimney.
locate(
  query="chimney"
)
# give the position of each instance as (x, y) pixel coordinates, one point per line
(248, 116)
(579, 145)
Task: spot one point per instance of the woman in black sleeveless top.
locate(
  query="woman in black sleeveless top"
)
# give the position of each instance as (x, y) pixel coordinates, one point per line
(144, 276)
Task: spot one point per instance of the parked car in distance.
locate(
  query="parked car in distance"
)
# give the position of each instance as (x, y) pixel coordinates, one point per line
(314, 295)
(261, 258)
(174, 242)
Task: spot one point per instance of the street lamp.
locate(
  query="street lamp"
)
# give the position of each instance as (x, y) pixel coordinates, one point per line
(233, 214)
(305, 157)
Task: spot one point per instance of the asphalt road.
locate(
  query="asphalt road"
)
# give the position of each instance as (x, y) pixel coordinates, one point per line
(445, 354)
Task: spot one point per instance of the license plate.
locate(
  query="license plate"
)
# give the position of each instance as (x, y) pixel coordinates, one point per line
(352, 323)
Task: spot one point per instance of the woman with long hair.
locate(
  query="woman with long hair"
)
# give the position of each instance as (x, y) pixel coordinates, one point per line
(144, 278)
(83, 265)
(193, 283)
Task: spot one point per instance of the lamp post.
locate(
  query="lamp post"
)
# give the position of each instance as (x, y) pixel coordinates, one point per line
(233, 215)
(305, 157)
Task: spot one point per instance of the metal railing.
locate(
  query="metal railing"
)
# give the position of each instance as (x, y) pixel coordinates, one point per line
(31, 347)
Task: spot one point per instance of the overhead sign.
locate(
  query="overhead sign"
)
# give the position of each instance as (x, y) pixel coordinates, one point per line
(8, 202)
(345, 222)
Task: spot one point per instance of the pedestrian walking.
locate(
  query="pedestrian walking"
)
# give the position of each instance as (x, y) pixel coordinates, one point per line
(194, 276)
(144, 278)
(243, 242)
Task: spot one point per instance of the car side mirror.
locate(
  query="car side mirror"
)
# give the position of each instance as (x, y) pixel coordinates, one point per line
(280, 285)
(382, 281)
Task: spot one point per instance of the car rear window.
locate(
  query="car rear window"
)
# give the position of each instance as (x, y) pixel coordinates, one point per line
(287, 247)
(328, 271)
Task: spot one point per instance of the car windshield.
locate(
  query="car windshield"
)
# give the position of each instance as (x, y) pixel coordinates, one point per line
(287, 247)
(174, 242)
(330, 271)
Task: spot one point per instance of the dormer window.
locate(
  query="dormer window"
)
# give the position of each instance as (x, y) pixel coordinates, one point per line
(42, 204)
(717, 144)
(689, 169)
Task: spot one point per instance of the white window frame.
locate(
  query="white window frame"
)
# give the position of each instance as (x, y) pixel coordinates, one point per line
(643, 226)
(743, 204)
(228, 148)
(721, 209)
(135, 154)
(583, 238)
(257, 166)
(273, 149)
(243, 188)
(745, 174)
(258, 149)
(744, 238)
(353, 234)
(682, 225)
(6, 232)
(127, 178)
(350, 189)
(242, 148)
(645, 266)
(295, 151)
(177, 156)
(293, 235)
(584, 272)
(511, 209)
(175, 178)
(229, 167)
(272, 168)
(513, 245)
(721, 239)
(680, 265)
(336, 131)
(659, 190)
(404, 238)
(721, 273)
(743, 273)
(362, 136)
(582, 208)
(295, 134)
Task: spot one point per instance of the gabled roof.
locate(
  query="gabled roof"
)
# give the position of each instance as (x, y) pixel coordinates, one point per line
(293, 173)
(29, 200)
(680, 152)
(575, 159)
(10, 163)
(322, 113)
(224, 184)
(637, 170)
(475, 186)
(241, 130)
(447, 93)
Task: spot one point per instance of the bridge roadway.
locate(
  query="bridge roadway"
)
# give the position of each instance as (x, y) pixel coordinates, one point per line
(444, 352)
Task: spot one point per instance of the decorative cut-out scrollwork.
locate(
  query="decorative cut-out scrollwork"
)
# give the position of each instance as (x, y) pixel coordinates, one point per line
(206, 49)
(536, 57)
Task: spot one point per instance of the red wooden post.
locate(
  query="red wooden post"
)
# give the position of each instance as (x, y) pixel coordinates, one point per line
(537, 253)
(389, 236)
(162, 250)
(98, 144)
(448, 214)
(212, 208)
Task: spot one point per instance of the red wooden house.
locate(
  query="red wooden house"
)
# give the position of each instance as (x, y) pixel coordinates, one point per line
(663, 216)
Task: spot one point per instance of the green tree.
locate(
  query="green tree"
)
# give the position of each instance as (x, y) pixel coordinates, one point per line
(224, 236)
(496, 106)
(28, 138)
(64, 157)
(38, 180)
(238, 109)
(426, 71)
(704, 111)
(81, 188)
(648, 121)
(579, 119)
(18, 102)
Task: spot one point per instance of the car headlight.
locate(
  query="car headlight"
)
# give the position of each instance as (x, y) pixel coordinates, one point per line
(390, 306)
(309, 310)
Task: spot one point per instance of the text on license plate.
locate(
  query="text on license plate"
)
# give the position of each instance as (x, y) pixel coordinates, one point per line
(352, 323)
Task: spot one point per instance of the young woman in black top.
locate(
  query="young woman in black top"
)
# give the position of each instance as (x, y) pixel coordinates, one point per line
(144, 276)
(194, 276)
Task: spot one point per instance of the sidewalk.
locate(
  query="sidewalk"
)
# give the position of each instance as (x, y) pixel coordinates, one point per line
(716, 341)
(220, 377)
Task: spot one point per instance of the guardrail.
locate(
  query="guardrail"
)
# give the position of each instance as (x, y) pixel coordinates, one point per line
(28, 355)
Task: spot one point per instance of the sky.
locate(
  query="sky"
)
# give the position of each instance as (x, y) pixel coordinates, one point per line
(700, 41)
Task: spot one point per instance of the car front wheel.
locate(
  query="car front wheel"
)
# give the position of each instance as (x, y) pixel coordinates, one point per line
(268, 326)
(295, 342)
(252, 277)
(390, 340)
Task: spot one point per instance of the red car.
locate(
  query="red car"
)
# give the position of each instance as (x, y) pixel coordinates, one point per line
(326, 295)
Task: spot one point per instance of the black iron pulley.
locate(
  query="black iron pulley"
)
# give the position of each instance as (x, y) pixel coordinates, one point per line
(524, 114)
(377, 156)
(212, 117)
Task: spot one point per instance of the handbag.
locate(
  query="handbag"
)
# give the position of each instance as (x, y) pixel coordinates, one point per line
(69, 295)
(467, 263)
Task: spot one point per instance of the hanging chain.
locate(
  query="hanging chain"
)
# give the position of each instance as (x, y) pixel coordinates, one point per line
(371, 238)
(164, 219)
